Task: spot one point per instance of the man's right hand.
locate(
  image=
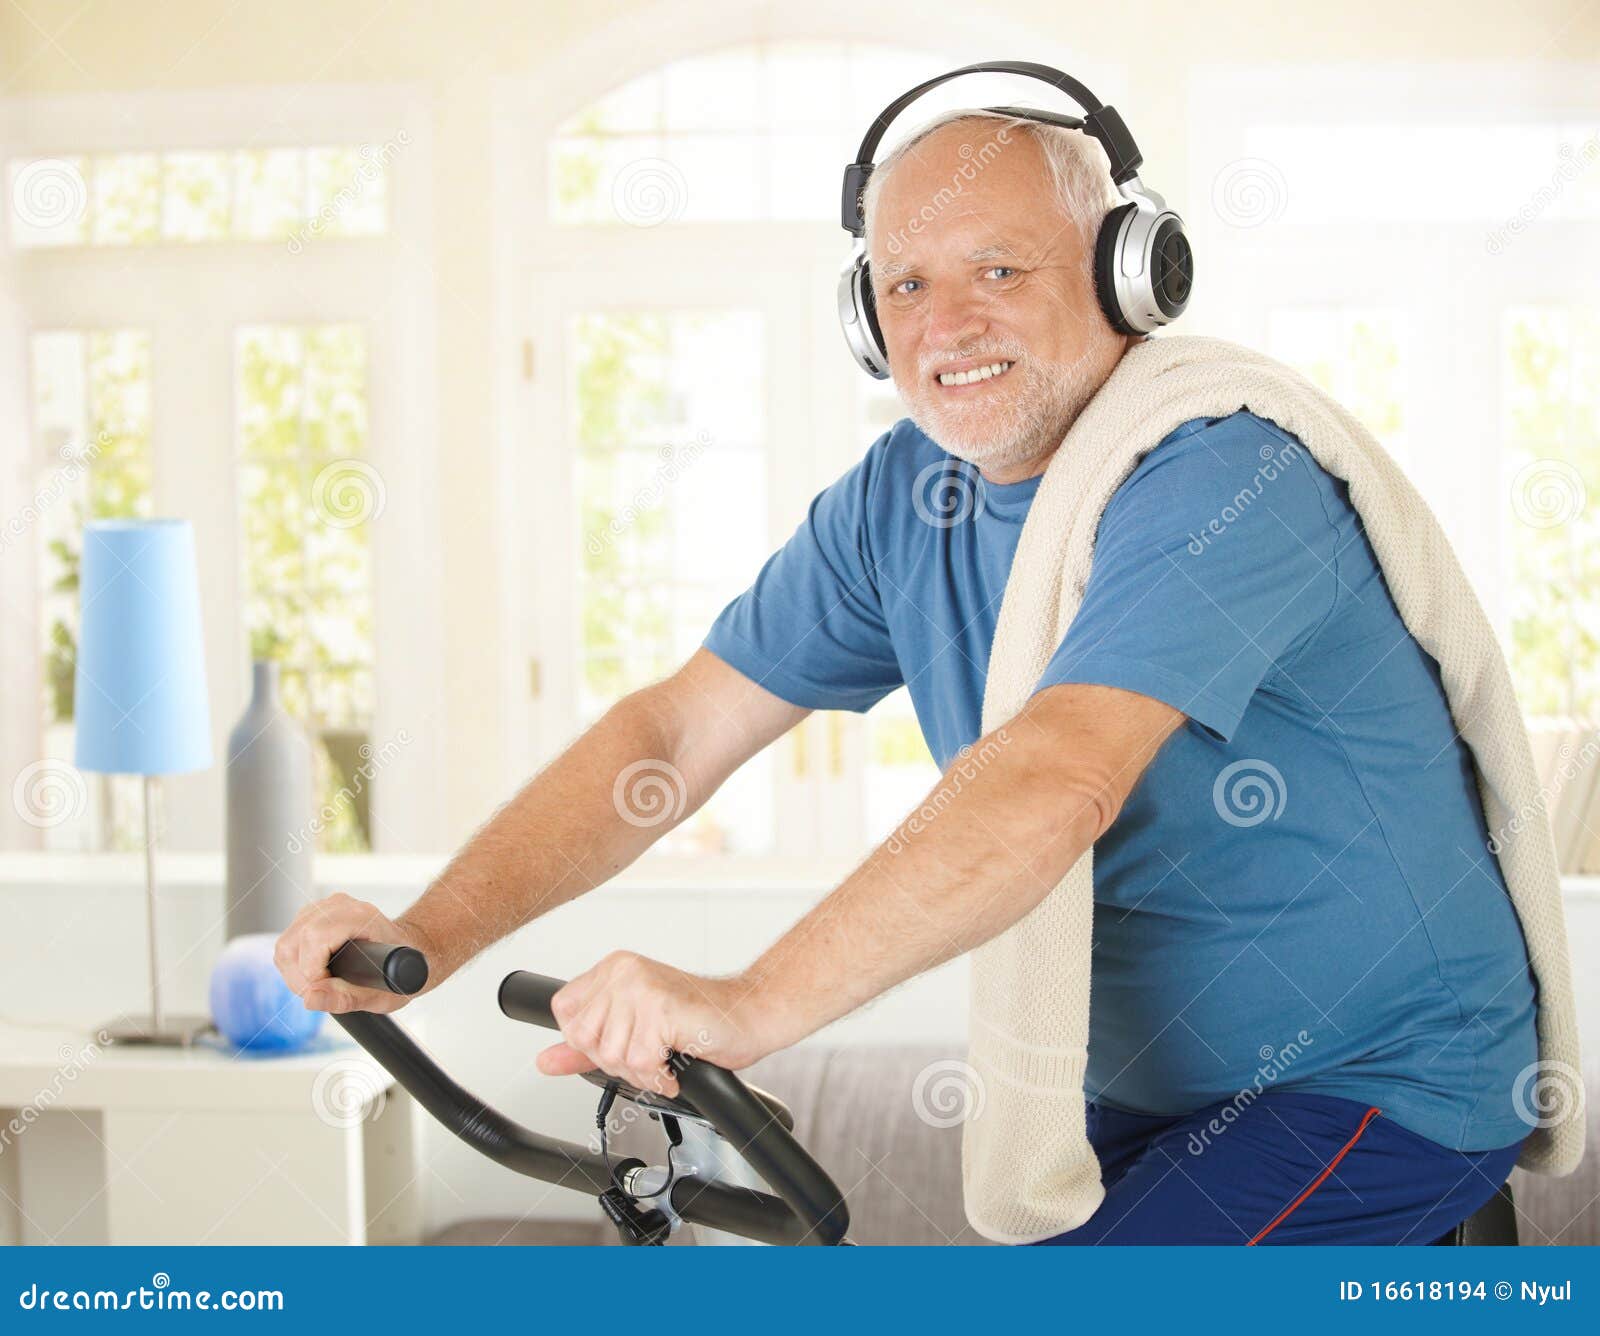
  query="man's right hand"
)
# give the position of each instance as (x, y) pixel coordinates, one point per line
(319, 930)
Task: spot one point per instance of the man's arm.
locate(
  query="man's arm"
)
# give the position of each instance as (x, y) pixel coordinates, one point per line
(647, 765)
(995, 836)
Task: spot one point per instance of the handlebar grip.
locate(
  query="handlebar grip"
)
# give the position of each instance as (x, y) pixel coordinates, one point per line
(525, 996)
(733, 1109)
(380, 965)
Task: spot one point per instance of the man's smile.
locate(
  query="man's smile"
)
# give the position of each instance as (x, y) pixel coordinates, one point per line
(971, 374)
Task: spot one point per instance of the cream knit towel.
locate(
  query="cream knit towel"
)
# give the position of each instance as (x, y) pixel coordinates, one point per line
(1028, 1170)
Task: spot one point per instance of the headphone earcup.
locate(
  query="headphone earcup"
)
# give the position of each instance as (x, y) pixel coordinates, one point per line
(1106, 247)
(858, 317)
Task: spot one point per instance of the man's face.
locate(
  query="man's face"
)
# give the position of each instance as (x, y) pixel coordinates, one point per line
(974, 265)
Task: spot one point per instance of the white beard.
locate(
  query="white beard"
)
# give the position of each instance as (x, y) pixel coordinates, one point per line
(1024, 423)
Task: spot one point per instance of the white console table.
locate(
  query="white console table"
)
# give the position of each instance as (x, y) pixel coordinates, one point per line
(112, 1144)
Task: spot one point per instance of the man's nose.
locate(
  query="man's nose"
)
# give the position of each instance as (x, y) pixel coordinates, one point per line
(955, 317)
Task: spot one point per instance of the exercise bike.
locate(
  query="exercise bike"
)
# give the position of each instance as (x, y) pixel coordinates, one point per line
(647, 1204)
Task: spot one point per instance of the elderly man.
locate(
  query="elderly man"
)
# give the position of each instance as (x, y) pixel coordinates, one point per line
(1362, 940)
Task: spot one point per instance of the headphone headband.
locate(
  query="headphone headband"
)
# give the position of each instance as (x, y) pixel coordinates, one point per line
(1100, 120)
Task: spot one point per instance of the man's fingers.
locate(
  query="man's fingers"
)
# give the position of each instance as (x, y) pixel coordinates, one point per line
(315, 941)
(612, 1050)
(341, 919)
(318, 930)
(336, 997)
(647, 1055)
(563, 1060)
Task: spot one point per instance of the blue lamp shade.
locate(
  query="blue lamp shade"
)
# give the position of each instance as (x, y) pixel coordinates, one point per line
(140, 697)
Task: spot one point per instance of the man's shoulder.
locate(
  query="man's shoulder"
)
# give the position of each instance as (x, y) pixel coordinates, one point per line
(1239, 440)
(1206, 465)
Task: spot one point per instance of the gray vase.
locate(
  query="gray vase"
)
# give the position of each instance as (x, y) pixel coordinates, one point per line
(271, 832)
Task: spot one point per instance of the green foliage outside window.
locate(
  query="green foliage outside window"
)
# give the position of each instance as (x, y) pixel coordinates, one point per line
(1553, 434)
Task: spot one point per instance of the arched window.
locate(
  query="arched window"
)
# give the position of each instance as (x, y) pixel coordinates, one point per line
(692, 393)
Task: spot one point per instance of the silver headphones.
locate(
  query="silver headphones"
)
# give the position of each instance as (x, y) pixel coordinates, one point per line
(1143, 264)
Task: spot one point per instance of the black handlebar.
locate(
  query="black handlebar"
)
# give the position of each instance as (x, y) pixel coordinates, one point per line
(738, 1115)
(396, 969)
(810, 1209)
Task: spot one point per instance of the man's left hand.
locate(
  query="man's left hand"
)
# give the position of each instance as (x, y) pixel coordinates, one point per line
(625, 1015)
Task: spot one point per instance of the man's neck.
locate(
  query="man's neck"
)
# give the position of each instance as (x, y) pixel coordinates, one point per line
(1020, 472)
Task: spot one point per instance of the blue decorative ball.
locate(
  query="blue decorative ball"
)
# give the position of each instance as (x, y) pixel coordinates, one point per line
(252, 1005)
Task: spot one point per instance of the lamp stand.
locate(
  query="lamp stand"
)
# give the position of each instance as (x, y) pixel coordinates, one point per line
(156, 1028)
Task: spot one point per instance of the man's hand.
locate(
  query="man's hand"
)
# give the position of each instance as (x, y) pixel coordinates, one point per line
(319, 930)
(625, 1015)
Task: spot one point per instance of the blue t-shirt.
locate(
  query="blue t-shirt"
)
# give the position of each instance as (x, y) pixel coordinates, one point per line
(1299, 892)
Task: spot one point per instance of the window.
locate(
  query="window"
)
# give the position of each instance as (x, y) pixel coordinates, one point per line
(1357, 356)
(128, 199)
(1511, 174)
(1551, 434)
(745, 134)
(92, 422)
(705, 398)
(671, 482)
(307, 497)
(1429, 253)
(255, 368)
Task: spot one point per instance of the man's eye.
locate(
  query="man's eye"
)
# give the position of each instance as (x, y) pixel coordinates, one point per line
(904, 286)
(1005, 271)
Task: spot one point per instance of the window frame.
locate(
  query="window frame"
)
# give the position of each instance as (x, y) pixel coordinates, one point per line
(222, 285)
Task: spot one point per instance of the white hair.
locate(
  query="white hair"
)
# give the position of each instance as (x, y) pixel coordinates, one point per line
(1079, 171)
